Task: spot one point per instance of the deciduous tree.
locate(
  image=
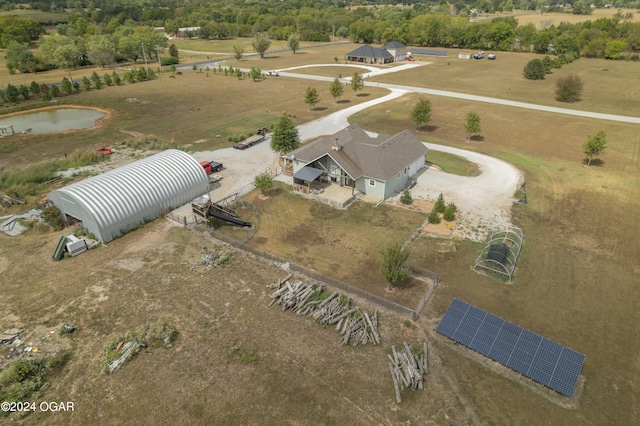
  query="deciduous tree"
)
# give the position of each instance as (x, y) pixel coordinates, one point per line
(261, 43)
(311, 97)
(336, 89)
(421, 112)
(356, 82)
(569, 88)
(472, 125)
(534, 70)
(101, 50)
(264, 183)
(595, 145)
(285, 136)
(238, 52)
(393, 268)
(294, 42)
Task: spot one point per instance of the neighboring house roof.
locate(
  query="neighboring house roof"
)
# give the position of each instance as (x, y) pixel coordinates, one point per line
(362, 155)
(368, 51)
(394, 45)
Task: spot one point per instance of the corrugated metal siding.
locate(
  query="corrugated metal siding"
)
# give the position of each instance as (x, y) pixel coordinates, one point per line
(110, 203)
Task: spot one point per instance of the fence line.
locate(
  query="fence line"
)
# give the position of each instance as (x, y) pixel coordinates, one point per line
(363, 294)
(433, 276)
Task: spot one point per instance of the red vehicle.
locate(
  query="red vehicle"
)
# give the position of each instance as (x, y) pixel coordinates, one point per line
(105, 151)
(211, 166)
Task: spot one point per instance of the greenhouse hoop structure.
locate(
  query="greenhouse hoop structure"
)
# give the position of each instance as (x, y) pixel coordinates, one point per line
(501, 252)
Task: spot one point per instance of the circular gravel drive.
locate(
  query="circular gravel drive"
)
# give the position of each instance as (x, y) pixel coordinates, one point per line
(483, 201)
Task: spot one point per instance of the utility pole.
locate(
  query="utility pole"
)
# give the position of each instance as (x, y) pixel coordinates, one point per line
(144, 55)
(158, 54)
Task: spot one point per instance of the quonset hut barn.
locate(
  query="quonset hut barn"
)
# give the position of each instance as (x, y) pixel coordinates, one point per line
(110, 204)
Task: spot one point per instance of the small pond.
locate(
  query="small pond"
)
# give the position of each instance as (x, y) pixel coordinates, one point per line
(50, 120)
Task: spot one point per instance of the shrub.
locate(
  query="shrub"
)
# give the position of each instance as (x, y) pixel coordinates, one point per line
(449, 212)
(53, 217)
(434, 217)
(440, 205)
(534, 70)
(171, 60)
(264, 183)
(569, 88)
(406, 197)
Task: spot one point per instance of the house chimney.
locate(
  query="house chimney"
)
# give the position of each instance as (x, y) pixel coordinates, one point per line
(336, 146)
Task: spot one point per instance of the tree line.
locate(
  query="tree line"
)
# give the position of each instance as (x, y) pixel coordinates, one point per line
(441, 25)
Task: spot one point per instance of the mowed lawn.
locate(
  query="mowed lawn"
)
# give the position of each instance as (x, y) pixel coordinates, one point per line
(576, 277)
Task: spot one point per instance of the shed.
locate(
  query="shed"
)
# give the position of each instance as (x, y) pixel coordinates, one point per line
(112, 203)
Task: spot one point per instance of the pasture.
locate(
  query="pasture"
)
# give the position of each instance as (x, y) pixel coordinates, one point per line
(575, 281)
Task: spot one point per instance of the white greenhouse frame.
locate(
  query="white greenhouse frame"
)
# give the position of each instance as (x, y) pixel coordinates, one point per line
(513, 238)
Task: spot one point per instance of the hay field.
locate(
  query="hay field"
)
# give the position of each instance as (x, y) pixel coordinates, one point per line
(556, 18)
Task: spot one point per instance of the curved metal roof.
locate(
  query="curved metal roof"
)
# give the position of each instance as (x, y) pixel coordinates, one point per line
(145, 187)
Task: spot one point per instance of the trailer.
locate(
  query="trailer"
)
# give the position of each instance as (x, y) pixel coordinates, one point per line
(249, 142)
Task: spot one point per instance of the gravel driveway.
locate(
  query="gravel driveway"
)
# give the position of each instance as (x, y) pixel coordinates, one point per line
(483, 201)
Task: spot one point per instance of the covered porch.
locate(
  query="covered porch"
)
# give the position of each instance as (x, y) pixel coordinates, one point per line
(318, 185)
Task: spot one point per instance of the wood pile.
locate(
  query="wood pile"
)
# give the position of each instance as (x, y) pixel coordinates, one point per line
(408, 368)
(355, 325)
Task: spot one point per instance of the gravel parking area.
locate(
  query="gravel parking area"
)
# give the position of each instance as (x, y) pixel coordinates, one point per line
(484, 201)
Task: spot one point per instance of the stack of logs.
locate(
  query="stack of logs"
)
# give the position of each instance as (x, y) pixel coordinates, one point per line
(355, 325)
(407, 368)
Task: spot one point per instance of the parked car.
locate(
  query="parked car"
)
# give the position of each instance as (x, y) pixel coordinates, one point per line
(478, 55)
(273, 73)
(491, 56)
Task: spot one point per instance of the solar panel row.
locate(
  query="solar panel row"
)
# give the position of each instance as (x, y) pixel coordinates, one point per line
(429, 52)
(528, 353)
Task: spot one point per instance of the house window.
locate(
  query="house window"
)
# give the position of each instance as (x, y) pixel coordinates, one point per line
(372, 182)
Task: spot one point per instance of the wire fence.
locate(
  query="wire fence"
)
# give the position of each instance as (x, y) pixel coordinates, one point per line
(341, 285)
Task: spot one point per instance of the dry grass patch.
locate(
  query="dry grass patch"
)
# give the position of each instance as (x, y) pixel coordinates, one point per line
(344, 244)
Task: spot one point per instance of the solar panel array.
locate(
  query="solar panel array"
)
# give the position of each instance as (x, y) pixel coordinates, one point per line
(543, 360)
(429, 52)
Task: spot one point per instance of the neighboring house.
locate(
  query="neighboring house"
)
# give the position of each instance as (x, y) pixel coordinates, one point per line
(187, 32)
(370, 55)
(397, 50)
(376, 166)
(394, 51)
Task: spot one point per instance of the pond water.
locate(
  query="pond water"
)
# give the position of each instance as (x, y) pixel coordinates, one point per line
(51, 120)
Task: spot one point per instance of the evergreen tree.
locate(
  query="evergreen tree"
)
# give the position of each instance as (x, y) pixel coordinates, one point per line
(66, 86)
(285, 136)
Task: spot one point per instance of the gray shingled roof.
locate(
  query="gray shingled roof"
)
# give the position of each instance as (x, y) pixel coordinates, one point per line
(368, 51)
(393, 45)
(362, 155)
